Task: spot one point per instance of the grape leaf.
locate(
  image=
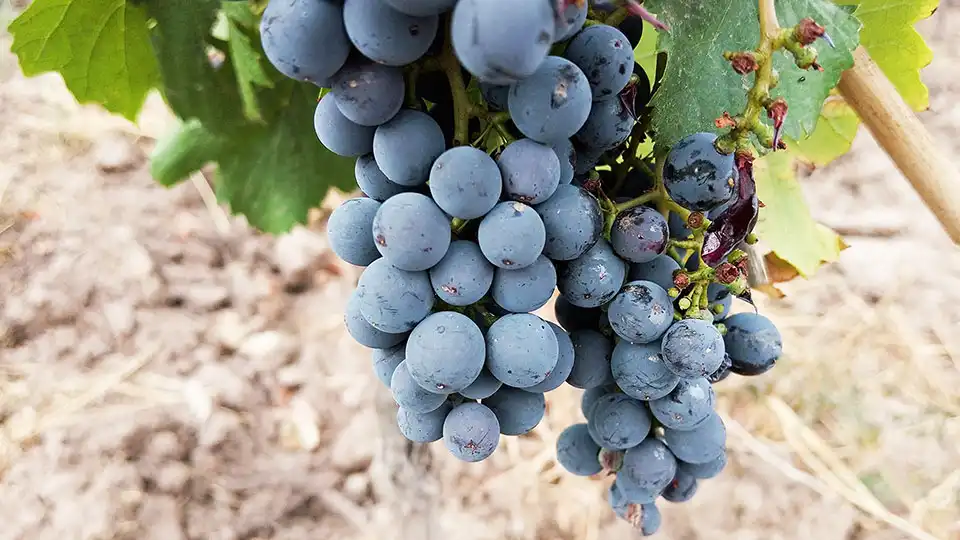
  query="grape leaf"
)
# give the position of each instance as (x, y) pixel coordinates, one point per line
(184, 151)
(646, 52)
(245, 56)
(699, 85)
(785, 222)
(833, 136)
(889, 36)
(100, 47)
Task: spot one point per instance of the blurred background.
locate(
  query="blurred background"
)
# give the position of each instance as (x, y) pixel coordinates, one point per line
(166, 373)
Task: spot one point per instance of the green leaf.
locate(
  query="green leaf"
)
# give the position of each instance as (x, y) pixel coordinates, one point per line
(185, 151)
(889, 36)
(245, 56)
(99, 47)
(785, 222)
(699, 85)
(833, 136)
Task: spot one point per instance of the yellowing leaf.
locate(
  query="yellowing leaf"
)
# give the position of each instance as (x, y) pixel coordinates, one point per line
(833, 135)
(785, 222)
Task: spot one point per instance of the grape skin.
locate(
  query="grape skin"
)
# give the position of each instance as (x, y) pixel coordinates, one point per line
(618, 422)
(365, 333)
(524, 290)
(471, 432)
(521, 350)
(641, 312)
(421, 8)
(594, 278)
(337, 133)
(639, 235)
(690, 403)
(647, 469)
(483, 387)
(703, 471)
(531, 171)
(410, 395)
(406, 147)
(590, 397)
(411, 232)
(386, 35)
(348, 230)
(644, 517)
(465, 182)
(423, 428)
(660, 271)
(720, 295)
(502, 41)
(394, 300)
(304, 39)
(591, 363)
(568, 159)
(573, 318)
(511, 235)
(552, 104)
(577, 452)
(696, 175)
(681, 489)
(692, 348)
(372, 182)
(604, 54)
(517, 411)
(572, 222)
(385, 362)
(700, 445)
(463, 276)
(753, 342)
(640, 372)
(564, 365)
(608, 125)
(495, 95)
(445, 352)
(368, 94)
(570, 21)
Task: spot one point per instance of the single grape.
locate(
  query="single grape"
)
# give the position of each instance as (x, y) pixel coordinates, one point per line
(518, 411)
(421, 8)
(394, 300)
(511, 236)
(531, 171)
(348, 231)
(591, 360)
(483, 387)
(553, 103)
(577, 452)
(641, 312)
(502, 41)
(660, 271)
(423, 428)
(406, 147)
(385, 362)
(496, 95)
(753, 342)
(337, 133)
(463, 276)
(411, 231)
(703, 471)
(643, 517)
(471, 432)
(524, 290)
(410, 395)
(372, 182)
(604, 54)
(647, 469)
(305, 39)
(640, 372)
(721, 300)
(682, 488)
(587, 159)
(570, 20)
(364, 333)
(608, 125)
(590, 397)
(632, 28)
(465, 182)
(639, 234)
(678, 227)
(386, 35)
(367, 93)
(594, 278)
(445, 352)
(572, 221)
(700, 445)
(522, 350)
(568, 159)
(618, 422)
(722, 372)
(690, 403)
(692, 348)
(696, 175)
(573, 318)
(564, 363)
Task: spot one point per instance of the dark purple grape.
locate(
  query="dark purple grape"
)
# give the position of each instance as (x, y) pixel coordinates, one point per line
(682, 488)
(698, 176)
(722, 372)
(639, 234)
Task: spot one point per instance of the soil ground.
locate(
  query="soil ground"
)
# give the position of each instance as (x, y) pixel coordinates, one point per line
(169, 374)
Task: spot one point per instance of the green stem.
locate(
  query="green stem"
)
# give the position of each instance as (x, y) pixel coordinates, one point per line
(410, 98)
(638, 201)
(457, 225)
(617, 17)
(458, 90)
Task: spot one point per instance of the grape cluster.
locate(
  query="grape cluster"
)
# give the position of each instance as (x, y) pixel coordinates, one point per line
(462, 242)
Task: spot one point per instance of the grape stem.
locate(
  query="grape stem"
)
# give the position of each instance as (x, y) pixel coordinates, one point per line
(458, 90)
